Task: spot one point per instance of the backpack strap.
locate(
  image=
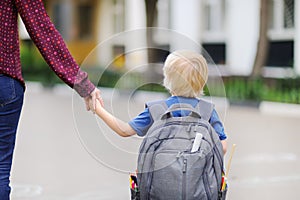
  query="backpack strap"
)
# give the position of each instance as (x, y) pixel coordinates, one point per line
(180, 107)
(157, 109)
(205, 108)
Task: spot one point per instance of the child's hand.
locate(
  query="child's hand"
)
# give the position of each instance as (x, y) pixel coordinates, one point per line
(98, 104)
(91, 100)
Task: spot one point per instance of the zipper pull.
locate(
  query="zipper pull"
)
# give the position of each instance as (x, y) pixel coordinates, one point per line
(179, 154)
(184, 166)
(189, 128)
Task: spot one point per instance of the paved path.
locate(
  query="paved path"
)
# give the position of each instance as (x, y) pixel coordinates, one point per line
(65, 153)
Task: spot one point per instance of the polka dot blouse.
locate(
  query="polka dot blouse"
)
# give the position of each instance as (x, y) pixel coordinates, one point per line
(45, 37)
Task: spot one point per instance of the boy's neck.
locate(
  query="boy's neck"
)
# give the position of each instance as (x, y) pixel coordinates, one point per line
(184, 96)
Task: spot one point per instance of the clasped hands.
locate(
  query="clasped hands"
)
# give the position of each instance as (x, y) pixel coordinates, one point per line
(91, 100)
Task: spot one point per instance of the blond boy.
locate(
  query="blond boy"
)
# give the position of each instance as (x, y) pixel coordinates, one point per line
(185, 75)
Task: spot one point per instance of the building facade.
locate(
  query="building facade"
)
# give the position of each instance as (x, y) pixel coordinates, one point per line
(228, 30)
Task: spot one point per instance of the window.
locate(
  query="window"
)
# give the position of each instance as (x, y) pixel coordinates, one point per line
(214, 19)
(281, 18)
(217, 51)
(281, 33)
(85, 21)
(281, 54)
(159, 54)
(213, 30)
(119, 16)
(289, 12)
(74, 19)
(62, 19)
(119, 56)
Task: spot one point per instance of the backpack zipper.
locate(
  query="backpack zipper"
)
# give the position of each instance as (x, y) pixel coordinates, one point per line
(181, 123)
(206, 186)
(142, 149)
(184, 169)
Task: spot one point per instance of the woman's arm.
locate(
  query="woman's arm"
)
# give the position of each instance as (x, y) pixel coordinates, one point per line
(52, 46)
(120, 127)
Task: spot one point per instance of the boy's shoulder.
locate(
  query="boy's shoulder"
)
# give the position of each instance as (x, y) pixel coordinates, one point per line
(179, 99)
(157, 107)
(156, 102)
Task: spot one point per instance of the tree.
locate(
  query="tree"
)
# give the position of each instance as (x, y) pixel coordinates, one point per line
(151, 14)
(263, 41)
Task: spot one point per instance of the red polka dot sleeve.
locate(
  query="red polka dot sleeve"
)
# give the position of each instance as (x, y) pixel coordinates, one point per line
(51, 45)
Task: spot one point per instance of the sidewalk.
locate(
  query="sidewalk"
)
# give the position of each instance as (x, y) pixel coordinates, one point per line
(65, 153)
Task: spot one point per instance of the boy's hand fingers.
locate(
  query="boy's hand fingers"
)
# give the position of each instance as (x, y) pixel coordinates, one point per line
(101, 101)
(94, 96)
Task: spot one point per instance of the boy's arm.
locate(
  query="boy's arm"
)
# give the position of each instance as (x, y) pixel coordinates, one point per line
(224, 144)
(219, 128)
(120, 127)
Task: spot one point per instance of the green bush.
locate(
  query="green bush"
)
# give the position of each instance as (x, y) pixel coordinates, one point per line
(237, 88)
(262, 89)
(34, 68)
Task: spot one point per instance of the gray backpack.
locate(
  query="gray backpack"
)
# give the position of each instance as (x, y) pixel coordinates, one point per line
(180, 157)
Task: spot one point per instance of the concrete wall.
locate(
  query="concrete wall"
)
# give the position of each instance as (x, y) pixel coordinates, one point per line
(185, 19)
(242, 34)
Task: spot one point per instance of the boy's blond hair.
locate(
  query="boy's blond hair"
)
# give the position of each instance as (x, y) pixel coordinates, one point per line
(185, 73)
